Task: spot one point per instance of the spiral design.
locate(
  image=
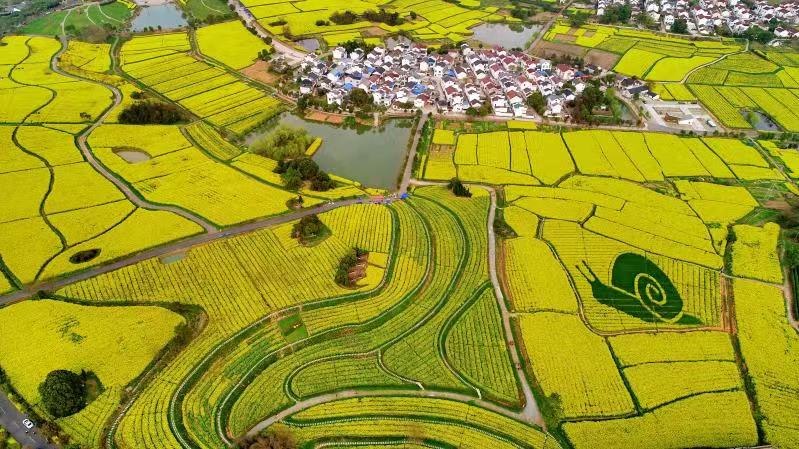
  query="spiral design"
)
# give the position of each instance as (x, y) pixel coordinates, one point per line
(644, 280)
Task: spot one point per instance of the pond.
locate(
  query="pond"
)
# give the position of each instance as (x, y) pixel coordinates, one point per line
(372, 156)
(132, 155)
(505, 35)
(309, 44)
(760, 121)
(166, 15)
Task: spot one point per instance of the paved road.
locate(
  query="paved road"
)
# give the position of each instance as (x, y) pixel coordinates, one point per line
(11, 420)
(406, 175)
(84, 149)
(288, 51)
(56, 284)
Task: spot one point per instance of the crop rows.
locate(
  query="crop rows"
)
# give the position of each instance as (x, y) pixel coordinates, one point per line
(194, 83)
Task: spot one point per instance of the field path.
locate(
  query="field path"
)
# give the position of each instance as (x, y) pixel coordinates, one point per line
(548, 25)
(180, 245)
(291, 53)
(406, 175)
(685, 78)
(81, 140)
(531, 413)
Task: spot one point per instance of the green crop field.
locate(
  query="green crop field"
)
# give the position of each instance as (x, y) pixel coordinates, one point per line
(532, 288)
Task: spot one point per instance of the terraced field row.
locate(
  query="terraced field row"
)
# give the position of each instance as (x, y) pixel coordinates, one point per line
(161, 63)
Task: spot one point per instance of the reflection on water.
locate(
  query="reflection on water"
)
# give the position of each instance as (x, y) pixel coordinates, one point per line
(167, 16)
(309, 44)
(372, 156)
(504, 35)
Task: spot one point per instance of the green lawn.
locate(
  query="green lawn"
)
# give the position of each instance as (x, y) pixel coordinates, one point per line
(202, 9)
(114, 14)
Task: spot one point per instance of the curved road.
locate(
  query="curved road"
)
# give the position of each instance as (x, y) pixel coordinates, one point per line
(289, 52)
(89, 156)
(11, 420)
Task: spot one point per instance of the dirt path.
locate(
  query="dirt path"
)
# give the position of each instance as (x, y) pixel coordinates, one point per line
(685, 78)
(548, 26)
(288, 51)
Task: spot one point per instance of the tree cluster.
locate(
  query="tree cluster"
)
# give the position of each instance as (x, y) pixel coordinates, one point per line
(346, 264)
(352, 44)
(619, 13)
(269, 440)
(294, 172)
(758, 35)
(151, 113)
(63, 393)
(457, 187)
(537, 102)
(680, 26)
(308, 228)
(285, 142)
(382, 16)
(592, 98)
(482, 111)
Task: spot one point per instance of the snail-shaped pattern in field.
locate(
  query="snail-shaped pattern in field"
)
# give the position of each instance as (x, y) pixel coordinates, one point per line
(638, 287)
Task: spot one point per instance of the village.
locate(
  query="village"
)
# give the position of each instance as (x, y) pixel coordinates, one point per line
(704, 16)
(460, 81)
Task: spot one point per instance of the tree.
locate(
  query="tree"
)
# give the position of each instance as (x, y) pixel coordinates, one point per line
(292, 179)
(285, 142)
(619, 13)
(537, 102)
(151, 113)
(360, 99)
(457, 187)
(578, 19)
(270, 440)
(680, 26)
(63, 393)
(307, 228)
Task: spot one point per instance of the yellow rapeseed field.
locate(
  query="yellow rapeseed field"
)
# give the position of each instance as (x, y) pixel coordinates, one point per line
(116, 343)
(11, 157)
(56, 147)
(770, 349)
(230, 43)
(41, 243)
(754, 253)
(134, 234)
(634, 349)
(569, 360)
(706, 420)
(83, 224)
(655, 384)
(77, 186)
